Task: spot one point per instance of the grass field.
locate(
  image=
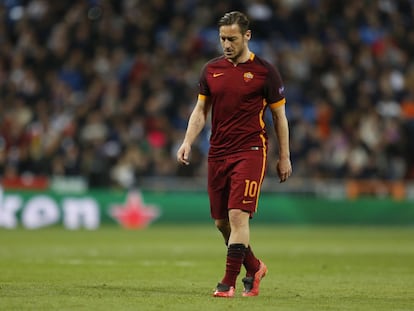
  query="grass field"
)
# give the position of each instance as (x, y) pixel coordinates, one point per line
(176, 268)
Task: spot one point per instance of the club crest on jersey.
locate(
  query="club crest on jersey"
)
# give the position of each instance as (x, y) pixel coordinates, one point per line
(248, 76)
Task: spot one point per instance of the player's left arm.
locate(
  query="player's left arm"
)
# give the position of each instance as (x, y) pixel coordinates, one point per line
(280, 123)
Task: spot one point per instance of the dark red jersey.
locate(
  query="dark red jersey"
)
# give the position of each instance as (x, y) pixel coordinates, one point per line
(239, 96)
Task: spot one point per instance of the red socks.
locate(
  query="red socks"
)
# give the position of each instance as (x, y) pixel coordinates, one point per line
(235, 257)
(238, 255)
(251, 263)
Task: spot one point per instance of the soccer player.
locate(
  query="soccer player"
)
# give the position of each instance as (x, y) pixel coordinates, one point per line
(238, 87)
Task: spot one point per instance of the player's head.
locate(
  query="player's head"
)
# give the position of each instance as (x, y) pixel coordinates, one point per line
(234, 34)
(237, 18)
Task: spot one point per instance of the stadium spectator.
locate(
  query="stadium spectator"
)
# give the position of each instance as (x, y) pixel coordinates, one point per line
(98, 76)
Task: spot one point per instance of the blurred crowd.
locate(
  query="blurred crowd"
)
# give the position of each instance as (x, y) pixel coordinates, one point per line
(104, 89)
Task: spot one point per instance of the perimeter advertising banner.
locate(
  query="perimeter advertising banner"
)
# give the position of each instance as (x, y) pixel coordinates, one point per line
(138, 209)
(34, 209)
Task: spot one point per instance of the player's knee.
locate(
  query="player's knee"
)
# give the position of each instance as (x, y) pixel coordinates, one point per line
(238, 218)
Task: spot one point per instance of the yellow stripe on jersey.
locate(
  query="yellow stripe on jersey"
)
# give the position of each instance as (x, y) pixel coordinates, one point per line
(264, 150)
(262, 175)
(262, 123)
(278, 103)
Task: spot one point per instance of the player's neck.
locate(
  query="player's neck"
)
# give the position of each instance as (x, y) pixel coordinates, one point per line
(242, 58)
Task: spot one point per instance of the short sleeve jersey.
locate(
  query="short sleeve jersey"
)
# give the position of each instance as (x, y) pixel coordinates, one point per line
(239, 96)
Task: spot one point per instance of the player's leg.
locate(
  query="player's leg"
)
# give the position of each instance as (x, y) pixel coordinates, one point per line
(239, 237)
(247, 173)
(238, 219)
(239, 226)
(223, 225)
(245, 193)
(218, 194)
(251, 263)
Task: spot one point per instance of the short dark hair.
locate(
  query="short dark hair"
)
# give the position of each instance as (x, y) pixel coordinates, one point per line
(235, 17)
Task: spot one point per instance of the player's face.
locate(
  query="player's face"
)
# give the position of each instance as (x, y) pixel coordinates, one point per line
(233, 42)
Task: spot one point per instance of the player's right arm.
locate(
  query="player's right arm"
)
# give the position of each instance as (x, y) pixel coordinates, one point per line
(196, 123)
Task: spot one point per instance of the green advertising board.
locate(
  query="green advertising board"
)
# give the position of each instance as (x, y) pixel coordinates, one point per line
(138, 209)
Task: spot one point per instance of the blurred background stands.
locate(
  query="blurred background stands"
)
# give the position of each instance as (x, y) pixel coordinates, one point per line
(103, 89)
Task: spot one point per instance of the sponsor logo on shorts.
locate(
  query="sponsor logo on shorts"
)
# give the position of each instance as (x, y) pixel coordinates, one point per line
(247, 201)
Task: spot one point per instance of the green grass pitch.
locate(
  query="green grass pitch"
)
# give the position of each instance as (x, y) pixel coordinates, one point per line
(176, 267)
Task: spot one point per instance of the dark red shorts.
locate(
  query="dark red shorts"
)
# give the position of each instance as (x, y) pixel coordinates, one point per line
(235, 182)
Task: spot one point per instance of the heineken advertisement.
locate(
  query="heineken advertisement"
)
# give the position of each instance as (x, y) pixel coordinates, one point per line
(139, 209)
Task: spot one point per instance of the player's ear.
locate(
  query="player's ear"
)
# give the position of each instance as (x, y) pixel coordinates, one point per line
(248, 35)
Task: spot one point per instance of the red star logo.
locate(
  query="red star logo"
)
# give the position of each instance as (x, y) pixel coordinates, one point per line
(134, 214)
